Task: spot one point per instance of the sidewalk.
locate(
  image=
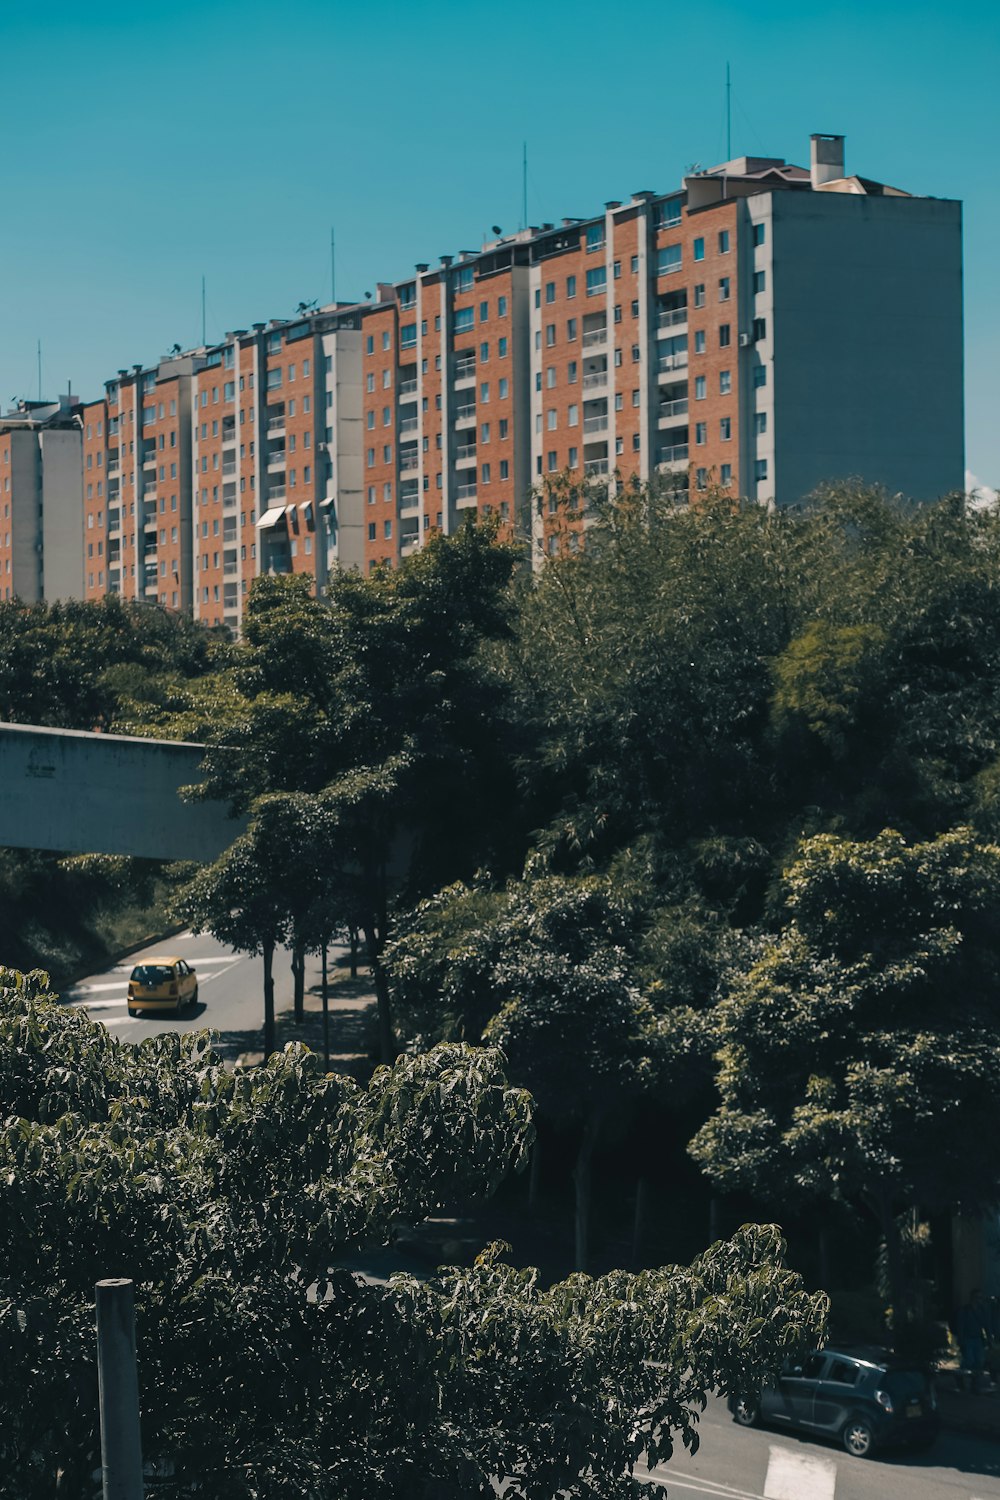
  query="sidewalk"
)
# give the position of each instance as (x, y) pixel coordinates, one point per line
(973, 1412)
(352, 1025)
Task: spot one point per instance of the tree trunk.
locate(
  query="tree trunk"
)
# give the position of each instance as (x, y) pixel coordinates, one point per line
(354, 952)
(535, 1173)
(268, 998)
(386, 1040)
(299, 977)
(326, 1018)
(582, 1174)
(639, 1220)
(893, 1259)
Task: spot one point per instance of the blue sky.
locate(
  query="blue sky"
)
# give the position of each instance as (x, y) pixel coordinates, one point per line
(144, 147)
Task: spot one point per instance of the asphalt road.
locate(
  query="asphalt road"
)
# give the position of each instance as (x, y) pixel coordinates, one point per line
(736, 1463)
(230, 992)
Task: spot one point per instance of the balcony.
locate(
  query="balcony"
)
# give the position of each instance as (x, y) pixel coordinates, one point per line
(409, 499)
(409, 424)
(671, 317)
(670, 362)
(276, 423)
(275, 492)
(595, 466)
(230, 568)
(114, 520)
(229, 466)
(112, 466)
(674, 455)
(595, 337)
(276, 458)
(464, 415)
(407, 388)
(465, 494)
(595, 379)
(595, 424)
(670, 409)
(466, 370)
(149, 459)
(466, 454)
(228, 436)
(409, 462)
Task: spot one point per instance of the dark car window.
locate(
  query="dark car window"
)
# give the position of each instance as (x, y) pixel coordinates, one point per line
(905, 1385)
(182, 967)
(842, 1372)
(813, 1366)
(152, 973)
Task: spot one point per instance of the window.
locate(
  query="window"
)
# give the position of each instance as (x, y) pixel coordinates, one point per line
(503, 427)
(570, 330)
(635, 397)
(597, 280)
(386, 416)
(636, 354)
(700, 433)
(387, 529)
(407, 336)
(484, 391)
(723, 241)
(570, 286)
(759, 281)
(484, 433)
(668, 259)
(759, 422)
(370, 345)
(372, 531)
(759, 376)
(371, 494)
(725, 382)
(634, 265)
(573, 416)
(571, 372)
(760, 469)
(619, 401)
(636, 442)
(550, 335)
(617, 269)
(724, 289)
(724, 336)
(486, 473)
(550, 377)
(758, 234)
(463, 279)
(759, 329)
(386, 379)
(701, 479)
(387, 453)
(594, 237)
(501, 309)
(699, 249)
(550, 291)
(503, 388)
(504, 468)
(725, 428)
(618, 358)
(501, 348)
(668, 213)
(553, 462)
(484, 312)
(726, 475)
(699, 294)
(370, 419)
(699, 341)
(551, 419)
(635, 308)
(484, 353)
(619, 445)
(371, 458)
(699, 388)
(618, 312)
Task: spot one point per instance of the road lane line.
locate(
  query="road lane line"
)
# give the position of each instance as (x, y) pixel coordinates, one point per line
(670, 1480)
(76, 991)
(799, 1476)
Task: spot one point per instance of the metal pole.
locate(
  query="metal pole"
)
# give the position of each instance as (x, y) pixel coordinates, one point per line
(203, 339)
(121, 1447)
(326, 1018)
(333, 266)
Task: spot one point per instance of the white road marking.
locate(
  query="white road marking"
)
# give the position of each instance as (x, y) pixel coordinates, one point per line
(77, 991)
(121, 1021)
(799, 1476)
(103, 1004)
(671, 1481)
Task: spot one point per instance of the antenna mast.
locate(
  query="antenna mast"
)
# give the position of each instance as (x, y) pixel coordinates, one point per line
(203, 339)
(333, 266)
(524, 186)
(39, 369)
(729, 117)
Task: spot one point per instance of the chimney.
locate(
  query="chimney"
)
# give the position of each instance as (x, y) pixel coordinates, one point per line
(826, 161)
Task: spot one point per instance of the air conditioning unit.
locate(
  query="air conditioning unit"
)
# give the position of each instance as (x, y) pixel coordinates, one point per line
(744, 340)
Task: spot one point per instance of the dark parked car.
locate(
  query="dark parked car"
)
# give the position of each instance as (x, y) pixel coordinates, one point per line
(862, 1397)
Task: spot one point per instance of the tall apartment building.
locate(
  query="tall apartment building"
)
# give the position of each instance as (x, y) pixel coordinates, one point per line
(762, 329)
(41, 510)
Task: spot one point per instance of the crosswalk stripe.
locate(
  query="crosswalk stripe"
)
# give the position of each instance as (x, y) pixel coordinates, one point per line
(799, 1476)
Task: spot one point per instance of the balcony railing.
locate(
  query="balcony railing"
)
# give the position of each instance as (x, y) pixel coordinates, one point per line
(408, 462)
(464, 414)
(671, 362)
(671, 317)
(594, 379)
(229, 466)
(409, 424)
(112, 466)
(595, 336)
(276, 424)
(276, 492)
(465, 492)
(465, 453)
(595, 466)
(466, 371)
(675, 455)
(276, 458)
(407, 387)
(595, 424)
(673, 408)
(228, 435)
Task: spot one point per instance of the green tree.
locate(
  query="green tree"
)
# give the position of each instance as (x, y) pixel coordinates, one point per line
(227, 1196)
(858, 1054)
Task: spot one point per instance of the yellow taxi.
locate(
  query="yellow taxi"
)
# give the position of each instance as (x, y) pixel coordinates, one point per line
(162, 984)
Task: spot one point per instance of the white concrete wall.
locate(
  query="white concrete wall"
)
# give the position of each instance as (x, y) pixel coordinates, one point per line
(63, 544)
(867, 343)
(105, 794)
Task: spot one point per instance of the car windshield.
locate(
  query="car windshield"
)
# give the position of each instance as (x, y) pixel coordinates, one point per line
(905, 1385)
(152, 973)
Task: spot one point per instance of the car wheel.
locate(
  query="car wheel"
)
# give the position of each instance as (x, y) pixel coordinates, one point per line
(857, 1437)
(746, 1413)
(132, 1013)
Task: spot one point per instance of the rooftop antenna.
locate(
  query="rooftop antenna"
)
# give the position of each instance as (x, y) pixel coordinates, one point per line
(203, 339)
(39, 369)
(729, 116)
(333, 267)
(524, 186)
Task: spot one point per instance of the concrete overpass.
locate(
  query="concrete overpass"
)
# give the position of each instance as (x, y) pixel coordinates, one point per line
(83, 793)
